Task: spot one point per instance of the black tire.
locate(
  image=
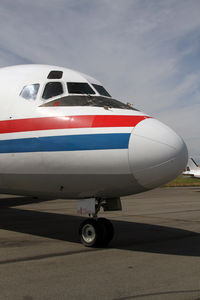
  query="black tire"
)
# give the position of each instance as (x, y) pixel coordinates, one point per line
(107, 231)
(90, 233)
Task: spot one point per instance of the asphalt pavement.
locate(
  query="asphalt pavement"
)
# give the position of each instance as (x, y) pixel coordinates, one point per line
(155, 253)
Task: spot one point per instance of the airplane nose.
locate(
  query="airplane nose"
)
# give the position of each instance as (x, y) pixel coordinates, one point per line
(157, 154)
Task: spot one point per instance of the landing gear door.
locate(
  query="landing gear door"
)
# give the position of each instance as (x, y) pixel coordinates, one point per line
(86, 206)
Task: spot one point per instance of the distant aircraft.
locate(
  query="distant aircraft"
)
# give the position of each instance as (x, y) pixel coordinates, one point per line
(192, 169)
(62, 135)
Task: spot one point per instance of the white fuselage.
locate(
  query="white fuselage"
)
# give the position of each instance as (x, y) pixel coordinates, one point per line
(79, 151)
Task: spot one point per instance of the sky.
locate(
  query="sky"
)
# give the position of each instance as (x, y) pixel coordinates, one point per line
(146, 52)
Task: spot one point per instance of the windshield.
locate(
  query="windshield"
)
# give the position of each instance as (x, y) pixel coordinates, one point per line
(101, 90)
(79, 88)
(52, 89)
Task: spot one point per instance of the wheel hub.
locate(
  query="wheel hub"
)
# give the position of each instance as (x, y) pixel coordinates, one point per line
(88, 233)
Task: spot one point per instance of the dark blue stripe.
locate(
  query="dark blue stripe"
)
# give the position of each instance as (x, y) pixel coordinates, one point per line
(66, 143)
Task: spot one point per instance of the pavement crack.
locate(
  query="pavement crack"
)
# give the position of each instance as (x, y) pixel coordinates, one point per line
(44, 256)
(159, 294)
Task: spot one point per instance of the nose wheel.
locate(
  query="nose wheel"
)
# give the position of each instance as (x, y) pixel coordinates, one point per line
(96, 232)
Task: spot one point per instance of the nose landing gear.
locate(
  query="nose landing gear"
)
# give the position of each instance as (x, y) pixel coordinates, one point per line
(96, 232)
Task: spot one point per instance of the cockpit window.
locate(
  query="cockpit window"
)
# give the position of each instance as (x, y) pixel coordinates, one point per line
(101, 90)
(97, 101)
(55, 75)
(29, 92)
(79, 88)
(52, 89)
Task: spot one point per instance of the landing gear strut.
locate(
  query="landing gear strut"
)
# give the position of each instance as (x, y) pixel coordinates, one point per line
(96, 232)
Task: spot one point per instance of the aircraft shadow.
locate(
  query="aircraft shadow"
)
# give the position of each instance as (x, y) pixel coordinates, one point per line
(128, 235)
(18, 201)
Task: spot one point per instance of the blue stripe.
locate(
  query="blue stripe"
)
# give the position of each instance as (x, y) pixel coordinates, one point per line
(66, 143)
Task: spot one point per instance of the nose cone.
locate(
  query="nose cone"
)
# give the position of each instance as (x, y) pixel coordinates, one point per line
(157, 154)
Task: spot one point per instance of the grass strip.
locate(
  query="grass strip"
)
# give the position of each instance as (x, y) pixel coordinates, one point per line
(183, 181)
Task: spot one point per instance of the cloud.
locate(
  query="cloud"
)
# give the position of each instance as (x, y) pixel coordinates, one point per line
(146, 52)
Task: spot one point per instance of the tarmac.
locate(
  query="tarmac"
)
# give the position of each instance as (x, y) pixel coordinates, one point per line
(155, 253)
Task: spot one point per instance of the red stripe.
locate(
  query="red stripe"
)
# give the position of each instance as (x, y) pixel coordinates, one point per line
(49, 123)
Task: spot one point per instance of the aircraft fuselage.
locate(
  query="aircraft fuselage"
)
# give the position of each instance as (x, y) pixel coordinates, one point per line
(49, 147)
